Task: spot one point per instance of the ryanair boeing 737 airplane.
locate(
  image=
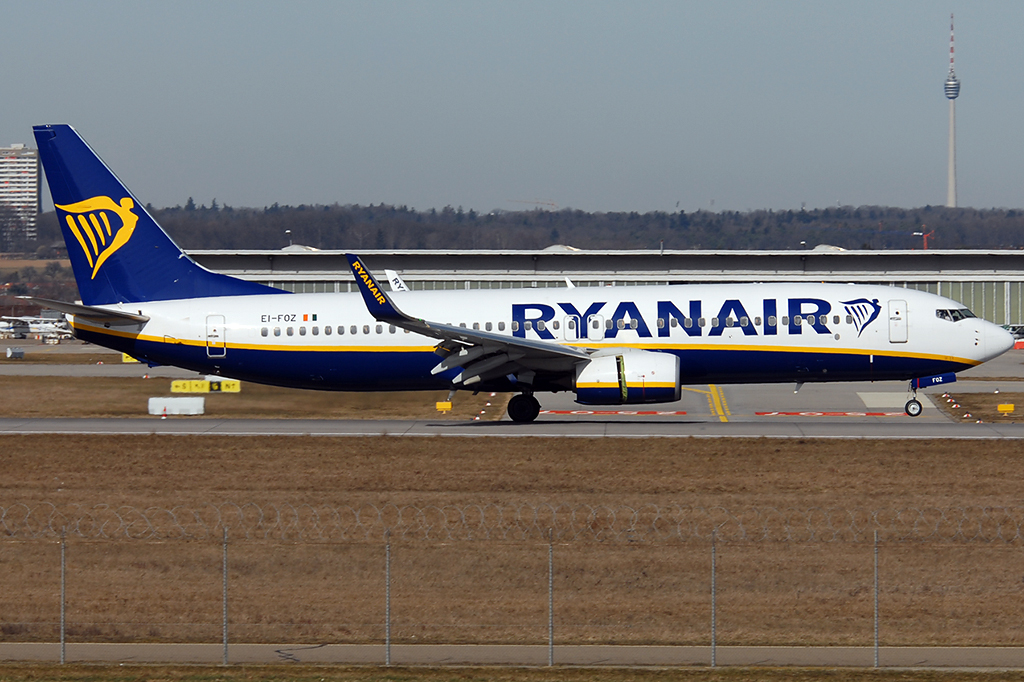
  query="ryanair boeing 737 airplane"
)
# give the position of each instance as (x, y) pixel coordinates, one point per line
(144, 296)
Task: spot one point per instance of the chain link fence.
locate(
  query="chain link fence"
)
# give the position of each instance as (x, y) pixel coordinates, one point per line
(511, 573)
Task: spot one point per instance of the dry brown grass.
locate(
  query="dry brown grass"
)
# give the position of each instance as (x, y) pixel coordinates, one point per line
(22, 396)
(983, 406)
(307, 673)
(493, 591)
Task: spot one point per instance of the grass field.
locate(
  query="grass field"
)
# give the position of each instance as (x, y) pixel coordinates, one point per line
(496, 591)
(23, 396)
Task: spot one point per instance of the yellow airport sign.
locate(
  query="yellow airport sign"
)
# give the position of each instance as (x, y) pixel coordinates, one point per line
(444, 407)
(127, 358)
(1005, 408)
(204, 386)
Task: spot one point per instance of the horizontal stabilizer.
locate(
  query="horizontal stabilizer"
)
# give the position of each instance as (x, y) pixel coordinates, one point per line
(88, 312)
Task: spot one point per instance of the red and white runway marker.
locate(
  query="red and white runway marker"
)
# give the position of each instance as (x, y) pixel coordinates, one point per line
(830, 414)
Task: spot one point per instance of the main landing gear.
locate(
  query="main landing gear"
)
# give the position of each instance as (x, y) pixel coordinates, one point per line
(523, 408)
(913, 407)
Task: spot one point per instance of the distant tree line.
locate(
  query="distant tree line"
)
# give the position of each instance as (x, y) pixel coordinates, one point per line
(399, 227)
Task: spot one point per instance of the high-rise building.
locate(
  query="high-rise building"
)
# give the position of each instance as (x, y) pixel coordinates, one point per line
(952, 92)
(19, 190)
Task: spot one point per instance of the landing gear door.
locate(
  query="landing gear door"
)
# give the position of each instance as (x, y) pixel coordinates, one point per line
(216, 347)
(897, 321)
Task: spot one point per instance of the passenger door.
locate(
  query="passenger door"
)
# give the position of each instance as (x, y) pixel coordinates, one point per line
(216, 346)
(897, 321)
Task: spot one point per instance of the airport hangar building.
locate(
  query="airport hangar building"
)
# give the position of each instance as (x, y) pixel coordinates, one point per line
(990, 283)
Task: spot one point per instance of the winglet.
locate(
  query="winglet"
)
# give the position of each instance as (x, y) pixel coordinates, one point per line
(378, 303)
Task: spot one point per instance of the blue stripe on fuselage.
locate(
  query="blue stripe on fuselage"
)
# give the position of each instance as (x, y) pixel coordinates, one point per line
(407, 371)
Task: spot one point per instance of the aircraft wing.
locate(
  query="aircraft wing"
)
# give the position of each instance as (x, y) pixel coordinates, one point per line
(88, 312)
(481, 355)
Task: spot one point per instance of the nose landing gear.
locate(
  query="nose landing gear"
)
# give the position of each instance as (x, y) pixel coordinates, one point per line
(913, 407)
(523, 408)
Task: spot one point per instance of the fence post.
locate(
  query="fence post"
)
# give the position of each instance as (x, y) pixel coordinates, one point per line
(551, 597)
(224, 603)
(876, 598)
(387, 596)
(714, 605)
(63, 594)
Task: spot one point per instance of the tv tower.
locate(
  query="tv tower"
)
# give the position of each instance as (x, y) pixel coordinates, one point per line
(952, 92)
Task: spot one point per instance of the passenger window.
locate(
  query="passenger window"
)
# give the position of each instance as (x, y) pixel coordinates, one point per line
(714, 322)
(621, 324)
(661, 323)
(463, 325)
(785, 320)
(391, 328)
(488, 326)
(277, 331)
(264, 332)
(835, 319)
(594, 324)
(528, 324)
(327, 330)
(608, 324)
(772, 321)
(822, 319)
(849, 319)
(555, 325)
(700, 322)
(341, 330)
(353, 330)
(571, 323)
(797, 320)
(673, 322)
(302, 331)
(744, 321)
(687, 321)
(366, 329)
(729, 322)
(476, 325)
(501, 327)
(757, 321)
(290, 331)
(380, 329)
(316, 331)
(633, 324)
(540, 325)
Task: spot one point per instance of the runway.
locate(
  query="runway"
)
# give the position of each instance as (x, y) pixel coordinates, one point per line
(840, 410)
(639, 427)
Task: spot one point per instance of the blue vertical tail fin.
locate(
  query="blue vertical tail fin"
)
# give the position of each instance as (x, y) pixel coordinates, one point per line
(117, 251)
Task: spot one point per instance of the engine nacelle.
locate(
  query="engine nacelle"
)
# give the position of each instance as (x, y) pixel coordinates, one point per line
(628, 377)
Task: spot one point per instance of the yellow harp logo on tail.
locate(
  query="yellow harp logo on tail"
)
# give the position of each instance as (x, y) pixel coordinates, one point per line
(89, 220)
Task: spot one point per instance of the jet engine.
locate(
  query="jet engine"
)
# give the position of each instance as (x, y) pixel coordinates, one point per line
(628, 377)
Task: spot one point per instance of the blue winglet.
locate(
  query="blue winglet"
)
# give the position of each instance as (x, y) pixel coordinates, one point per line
(377, 302)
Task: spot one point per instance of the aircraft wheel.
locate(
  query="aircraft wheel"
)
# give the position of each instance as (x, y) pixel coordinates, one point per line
(523, 408)
(913, 407)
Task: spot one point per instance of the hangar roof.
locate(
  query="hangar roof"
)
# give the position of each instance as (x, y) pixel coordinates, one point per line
(641, 265)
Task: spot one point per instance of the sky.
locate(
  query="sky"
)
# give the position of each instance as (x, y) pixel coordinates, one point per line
(592, 105)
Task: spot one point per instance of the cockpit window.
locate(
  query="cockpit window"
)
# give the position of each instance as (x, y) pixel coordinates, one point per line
(954, 315)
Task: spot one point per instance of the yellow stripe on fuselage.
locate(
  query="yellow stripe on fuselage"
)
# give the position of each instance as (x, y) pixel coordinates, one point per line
(429, 348)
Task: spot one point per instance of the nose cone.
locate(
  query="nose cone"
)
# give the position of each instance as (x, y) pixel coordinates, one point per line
(997, 341)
